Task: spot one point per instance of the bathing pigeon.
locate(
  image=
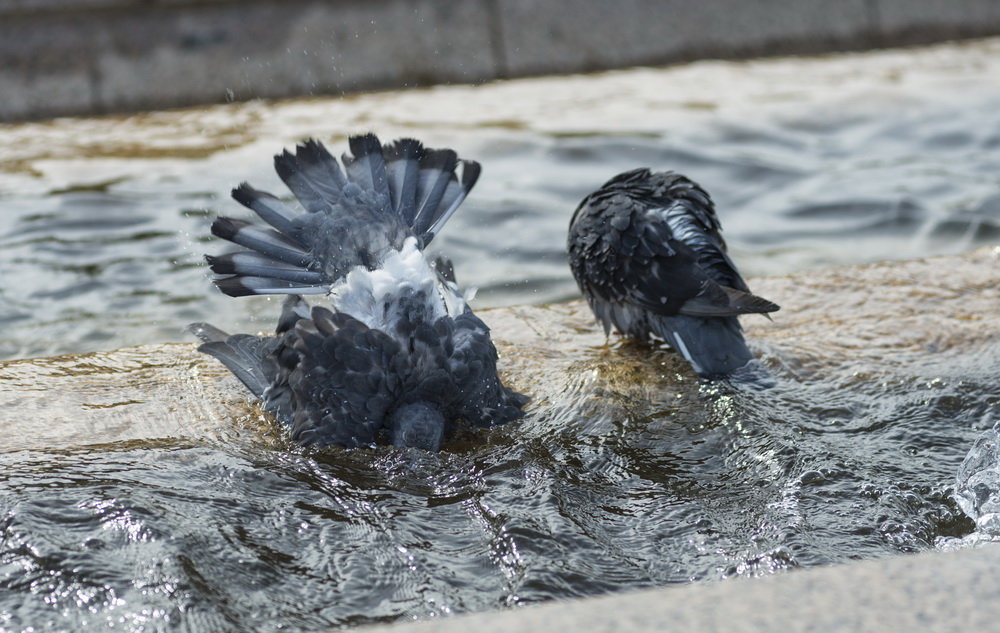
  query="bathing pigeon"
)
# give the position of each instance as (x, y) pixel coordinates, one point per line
(646, 251)
(398, 357)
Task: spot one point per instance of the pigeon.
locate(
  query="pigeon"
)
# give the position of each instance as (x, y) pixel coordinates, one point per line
(646, 252)
(397, 357)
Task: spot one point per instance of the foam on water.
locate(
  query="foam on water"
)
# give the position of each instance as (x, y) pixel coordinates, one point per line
(977, 491)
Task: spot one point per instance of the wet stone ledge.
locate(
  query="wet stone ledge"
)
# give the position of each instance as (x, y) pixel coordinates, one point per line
(833, 323)
(892, 318)
(61, 57)
(931, 593)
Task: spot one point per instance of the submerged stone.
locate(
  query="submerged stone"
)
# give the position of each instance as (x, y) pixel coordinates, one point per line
(848, 326)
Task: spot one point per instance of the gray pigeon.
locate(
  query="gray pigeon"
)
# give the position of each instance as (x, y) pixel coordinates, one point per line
(399, 357)
(646, 251)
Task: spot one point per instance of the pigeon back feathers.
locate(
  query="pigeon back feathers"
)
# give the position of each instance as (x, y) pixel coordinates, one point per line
(647, 253)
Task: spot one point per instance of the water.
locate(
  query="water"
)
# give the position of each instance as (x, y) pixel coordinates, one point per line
(627, 473)
(977, 491)
(141, 493)
(812, 163)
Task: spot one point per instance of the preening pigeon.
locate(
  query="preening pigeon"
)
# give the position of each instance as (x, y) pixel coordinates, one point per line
(646, 251)
(398, 357)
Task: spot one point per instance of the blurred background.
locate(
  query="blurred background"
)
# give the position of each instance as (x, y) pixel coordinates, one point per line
(96, 56)
(812, 160)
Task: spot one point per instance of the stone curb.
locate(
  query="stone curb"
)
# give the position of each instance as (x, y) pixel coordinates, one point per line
(930, 593)
(84, 57)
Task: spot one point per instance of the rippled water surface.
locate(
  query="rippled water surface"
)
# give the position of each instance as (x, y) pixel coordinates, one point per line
(811, 162)
(625, 474)
(126, 522)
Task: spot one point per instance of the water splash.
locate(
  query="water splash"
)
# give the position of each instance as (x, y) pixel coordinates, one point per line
(977, 491)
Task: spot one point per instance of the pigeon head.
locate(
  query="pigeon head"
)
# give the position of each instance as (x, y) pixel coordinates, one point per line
(419, 425)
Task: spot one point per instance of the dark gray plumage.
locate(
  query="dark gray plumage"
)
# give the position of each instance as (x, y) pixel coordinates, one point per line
(646, 251)
(400, 358)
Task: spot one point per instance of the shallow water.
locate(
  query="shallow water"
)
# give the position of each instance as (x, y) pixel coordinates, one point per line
(813, 162)
(628, 472)
(140, 492)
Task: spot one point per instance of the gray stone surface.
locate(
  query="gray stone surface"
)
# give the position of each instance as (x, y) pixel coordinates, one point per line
(45, 71)
(8, 7)
(63, 6)
(929, 593)
(94, 56)
(566, 36)
(161, 56)
(263, 50)
(905, 20)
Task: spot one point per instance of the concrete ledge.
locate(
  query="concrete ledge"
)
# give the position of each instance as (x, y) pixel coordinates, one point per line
(62, 57)
(926, 592)
(561, 36)
(134, 56)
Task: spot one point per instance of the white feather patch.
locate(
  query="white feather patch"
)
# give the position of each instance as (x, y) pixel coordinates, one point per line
(373, 296)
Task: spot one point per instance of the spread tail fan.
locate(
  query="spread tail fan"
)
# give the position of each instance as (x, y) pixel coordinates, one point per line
(345, 217)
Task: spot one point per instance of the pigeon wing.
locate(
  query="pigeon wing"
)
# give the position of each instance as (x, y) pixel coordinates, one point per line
(344, 380)
(472, 363)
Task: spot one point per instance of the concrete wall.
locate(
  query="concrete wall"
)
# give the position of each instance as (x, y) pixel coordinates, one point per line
(95, 56)
(926, 593)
